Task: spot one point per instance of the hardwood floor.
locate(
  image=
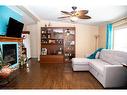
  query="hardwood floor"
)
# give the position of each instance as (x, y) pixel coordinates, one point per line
(51, 76)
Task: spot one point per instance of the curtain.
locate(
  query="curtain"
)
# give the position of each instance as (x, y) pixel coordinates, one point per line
(109, 37)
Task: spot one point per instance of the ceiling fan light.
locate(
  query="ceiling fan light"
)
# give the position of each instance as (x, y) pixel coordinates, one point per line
(74, 18)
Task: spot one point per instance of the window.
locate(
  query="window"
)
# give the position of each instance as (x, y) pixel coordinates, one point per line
(120, 39)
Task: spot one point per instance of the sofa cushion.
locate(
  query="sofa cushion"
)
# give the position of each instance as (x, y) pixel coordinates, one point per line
(113, 57)
(98, 65)
(80, 60)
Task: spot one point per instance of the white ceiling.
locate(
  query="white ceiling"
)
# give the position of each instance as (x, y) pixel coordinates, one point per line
(99, 14)
(50, 10)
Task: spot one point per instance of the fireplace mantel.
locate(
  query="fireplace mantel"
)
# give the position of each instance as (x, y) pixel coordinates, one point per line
(10, 39)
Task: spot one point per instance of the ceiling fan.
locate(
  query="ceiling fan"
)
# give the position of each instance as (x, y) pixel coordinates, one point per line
(74, 14)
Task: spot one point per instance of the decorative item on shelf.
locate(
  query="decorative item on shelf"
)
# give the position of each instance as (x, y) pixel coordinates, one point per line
(42, 31)
(44, 41)
(49, 36)
(44, 37)
(52, 41)
(67, 32)
(67, 43)
(66, 54)
(70, 56)
(56, 35)
(72, 43)
(59, 41)
(49, 30)
(45, 25)
(60, 51)
(44, 51)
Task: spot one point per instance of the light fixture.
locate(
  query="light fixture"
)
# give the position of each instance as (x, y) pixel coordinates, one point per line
(96, 40)
(74, 18)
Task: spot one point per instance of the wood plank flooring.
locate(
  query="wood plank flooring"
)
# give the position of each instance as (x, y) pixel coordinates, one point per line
(51, 76)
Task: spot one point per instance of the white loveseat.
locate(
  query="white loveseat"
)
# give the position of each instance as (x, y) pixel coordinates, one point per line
(107, 69)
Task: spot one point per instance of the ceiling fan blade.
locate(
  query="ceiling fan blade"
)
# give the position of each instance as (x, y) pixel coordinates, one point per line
(65, 12)
(82, 11)
(63, 17)
(84, 17)
(81, 14)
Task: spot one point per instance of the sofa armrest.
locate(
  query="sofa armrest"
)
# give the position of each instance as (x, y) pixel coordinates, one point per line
(115, 76)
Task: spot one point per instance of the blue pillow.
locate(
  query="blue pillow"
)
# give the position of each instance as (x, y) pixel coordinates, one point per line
(92, 56)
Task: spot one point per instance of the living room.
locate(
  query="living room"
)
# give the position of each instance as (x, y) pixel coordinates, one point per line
(56, 45)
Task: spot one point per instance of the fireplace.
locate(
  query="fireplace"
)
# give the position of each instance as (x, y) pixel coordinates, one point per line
(9, 52)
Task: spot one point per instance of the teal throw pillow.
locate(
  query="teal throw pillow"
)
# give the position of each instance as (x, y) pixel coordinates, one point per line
(92, 56)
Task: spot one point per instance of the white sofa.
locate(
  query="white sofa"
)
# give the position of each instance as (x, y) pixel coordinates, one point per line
(107, 69)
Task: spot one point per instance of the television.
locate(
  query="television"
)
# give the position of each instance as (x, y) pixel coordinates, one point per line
(14, 28)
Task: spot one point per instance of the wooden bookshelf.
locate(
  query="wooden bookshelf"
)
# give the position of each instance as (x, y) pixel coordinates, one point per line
(57, 44)
(10, 39)
(52, 59)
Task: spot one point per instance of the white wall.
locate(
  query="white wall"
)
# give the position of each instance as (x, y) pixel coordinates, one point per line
(85, 40)
(102, 34)
(33, 39)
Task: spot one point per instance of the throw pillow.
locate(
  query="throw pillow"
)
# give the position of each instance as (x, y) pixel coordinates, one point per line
(92, 56)
(97, 55)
